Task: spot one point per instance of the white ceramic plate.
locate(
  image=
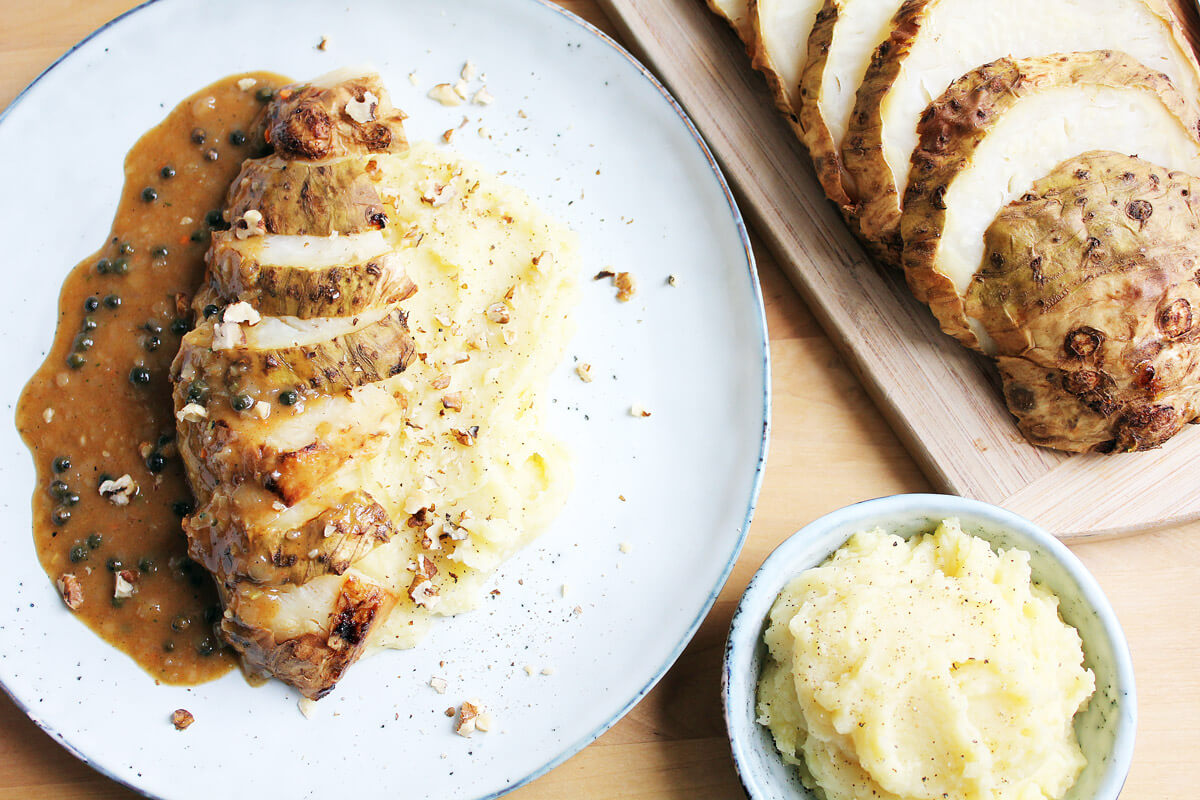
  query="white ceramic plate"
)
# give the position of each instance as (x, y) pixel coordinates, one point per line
(604, 148)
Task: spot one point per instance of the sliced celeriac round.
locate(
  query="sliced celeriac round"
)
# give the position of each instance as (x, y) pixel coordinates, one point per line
(934, 42)
(779, 47)
(843, 39)
(997, 130)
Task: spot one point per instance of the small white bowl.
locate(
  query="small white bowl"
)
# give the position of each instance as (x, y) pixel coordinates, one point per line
(1105, 729)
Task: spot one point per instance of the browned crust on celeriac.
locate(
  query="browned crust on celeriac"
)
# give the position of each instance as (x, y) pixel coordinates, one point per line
(233, 537)
(878, 197)
(761, 60)
(306, 122)
(878, 203)
(365, 355)
(336, 291)
(1090, 290)
(824, 151)
(308, 199)
(313, 663)
(957, 122)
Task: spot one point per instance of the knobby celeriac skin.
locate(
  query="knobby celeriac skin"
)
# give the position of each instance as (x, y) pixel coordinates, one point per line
(925, 667)
(367, 461)
(933, 42)
(1001, 127)
(1090, 292)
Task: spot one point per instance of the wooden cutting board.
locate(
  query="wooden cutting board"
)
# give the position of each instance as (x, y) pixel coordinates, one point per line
(942, 400)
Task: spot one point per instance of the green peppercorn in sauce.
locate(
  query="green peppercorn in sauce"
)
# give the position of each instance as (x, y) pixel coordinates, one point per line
(100, 409)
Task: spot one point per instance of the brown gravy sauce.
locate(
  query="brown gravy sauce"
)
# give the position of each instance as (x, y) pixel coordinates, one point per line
(102, 399)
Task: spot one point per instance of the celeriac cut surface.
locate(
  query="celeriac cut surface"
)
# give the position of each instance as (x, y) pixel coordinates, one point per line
(780, 47)
(1001, 127)
(934, 42)
(924, 668)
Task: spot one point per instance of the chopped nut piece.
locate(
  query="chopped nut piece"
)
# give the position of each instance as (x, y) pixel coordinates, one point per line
(436, 194)
(452, 401)
(672, 280)
(71, 591)
(498, 313)
(460, 88)
(444, 93)
(250, 224)
(323, 45)
(577, 610)
(241, 311)
(544, 260)
(262, 409)
(48, 415)
(125, 584)
(439, 685)
(181, 718)
(466, 437)
(584, 371)
(412, 77)
(626, 286)
(246, 84)
(440, 382)
(484, 722)
(447, 135)
(637, 411)
(422, 591)
(529, 670)
(120, 491)
(468, 714)
(306, 706)
(483, 97)
(521, 113)
(362, 111)
(602, 274)
(192, 412)
(625, 547)
(547, 670)
(227, 335)
(469, 71)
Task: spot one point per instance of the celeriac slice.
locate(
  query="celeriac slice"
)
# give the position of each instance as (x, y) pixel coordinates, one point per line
(843, 39)
(779, 46)
(933, 42)
(1000, 128)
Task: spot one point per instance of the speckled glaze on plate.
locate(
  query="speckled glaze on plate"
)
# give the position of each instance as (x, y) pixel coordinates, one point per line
(1105, 729)
(601, 145)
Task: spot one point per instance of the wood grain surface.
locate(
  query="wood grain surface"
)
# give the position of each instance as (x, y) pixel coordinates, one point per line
(831, 446)
(941, 399)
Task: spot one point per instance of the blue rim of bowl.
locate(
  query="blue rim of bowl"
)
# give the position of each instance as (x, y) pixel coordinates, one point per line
(764, 444)
(922, 503)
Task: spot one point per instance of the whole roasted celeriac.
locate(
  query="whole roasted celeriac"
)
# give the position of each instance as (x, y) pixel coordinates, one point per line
(356, 406)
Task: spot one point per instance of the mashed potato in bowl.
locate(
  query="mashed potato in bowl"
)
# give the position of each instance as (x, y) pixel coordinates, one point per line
(924, 668)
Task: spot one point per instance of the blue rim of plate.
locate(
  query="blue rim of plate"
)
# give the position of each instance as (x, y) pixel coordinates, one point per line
(1074, 567)
(764, 444)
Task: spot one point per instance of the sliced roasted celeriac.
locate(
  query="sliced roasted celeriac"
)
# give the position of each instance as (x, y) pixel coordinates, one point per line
(840, 46)
(934, 42)
(1000, 128)
(779, 47)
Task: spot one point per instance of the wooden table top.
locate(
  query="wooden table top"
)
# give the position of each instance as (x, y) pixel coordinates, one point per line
(830, 447)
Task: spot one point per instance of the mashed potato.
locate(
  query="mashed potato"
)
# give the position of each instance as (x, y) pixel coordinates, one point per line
(496, 285)
(925, 668)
